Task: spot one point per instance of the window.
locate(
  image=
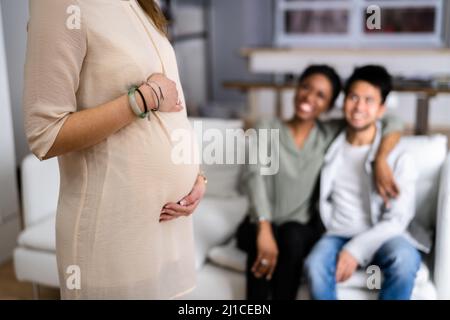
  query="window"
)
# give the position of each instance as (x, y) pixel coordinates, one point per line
(404, 23)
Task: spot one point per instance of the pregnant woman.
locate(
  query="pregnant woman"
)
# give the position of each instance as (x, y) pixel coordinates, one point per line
(102, 93)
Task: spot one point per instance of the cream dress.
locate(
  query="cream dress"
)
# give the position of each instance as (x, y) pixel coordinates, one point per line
(111, 194)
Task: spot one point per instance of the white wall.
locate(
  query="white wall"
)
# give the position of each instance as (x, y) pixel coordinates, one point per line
(9, 205)
(398, 62)
(15, 18)
(236, 24)
(192, 53)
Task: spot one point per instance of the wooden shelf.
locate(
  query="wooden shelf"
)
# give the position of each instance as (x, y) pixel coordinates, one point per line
(247, 52)
(246, 86)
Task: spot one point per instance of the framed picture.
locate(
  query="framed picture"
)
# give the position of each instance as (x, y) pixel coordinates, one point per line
(402, 23)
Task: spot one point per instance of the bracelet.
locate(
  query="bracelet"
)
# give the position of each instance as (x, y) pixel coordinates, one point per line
(157, 98)
(202, 174)
(160, 90)
(143, 99)
(133, 103)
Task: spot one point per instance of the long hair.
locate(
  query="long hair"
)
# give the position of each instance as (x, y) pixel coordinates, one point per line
(154, 12)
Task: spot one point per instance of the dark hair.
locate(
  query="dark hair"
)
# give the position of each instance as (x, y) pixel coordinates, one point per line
(329, 73)
(375, 75)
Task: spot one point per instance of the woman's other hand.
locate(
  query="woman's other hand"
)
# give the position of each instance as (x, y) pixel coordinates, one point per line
(266, 260)
(187, 205)
(384, 180)
(168, 95)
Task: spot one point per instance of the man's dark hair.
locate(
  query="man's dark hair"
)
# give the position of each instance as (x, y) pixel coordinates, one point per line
(375, 75)
(327, 72)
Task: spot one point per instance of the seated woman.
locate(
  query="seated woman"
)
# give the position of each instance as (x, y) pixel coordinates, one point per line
(281, 226)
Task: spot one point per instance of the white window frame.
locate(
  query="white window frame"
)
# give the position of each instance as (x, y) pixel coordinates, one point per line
(356, 36)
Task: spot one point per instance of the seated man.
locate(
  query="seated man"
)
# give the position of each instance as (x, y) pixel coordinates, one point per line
(360, 229)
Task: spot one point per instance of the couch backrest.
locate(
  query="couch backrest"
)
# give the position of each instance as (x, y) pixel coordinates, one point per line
(40, 180)
(429, 153)
(222, 178)
(40, 189)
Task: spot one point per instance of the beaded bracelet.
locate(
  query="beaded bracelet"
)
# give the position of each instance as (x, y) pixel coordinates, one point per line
(134, 105)
(143, 99)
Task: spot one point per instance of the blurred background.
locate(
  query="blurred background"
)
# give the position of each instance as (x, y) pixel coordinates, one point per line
(240, 58)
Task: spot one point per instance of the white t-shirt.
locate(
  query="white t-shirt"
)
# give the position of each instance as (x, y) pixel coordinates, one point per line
(350, 193)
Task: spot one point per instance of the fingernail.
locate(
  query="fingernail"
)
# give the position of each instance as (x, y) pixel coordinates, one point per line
(182, 202)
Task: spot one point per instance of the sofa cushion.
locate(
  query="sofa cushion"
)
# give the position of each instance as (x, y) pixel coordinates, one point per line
(359, 278)
(40, 189)
(422, 291)
(216, 283)
(36, 266)
(230, 257)
(442, 248)
(429, 154)
(40, 236)
(215, 221)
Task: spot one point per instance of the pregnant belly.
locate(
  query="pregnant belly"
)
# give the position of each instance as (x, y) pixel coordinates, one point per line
(142, 173)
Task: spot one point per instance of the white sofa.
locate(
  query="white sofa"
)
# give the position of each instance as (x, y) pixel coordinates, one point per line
(220, 265)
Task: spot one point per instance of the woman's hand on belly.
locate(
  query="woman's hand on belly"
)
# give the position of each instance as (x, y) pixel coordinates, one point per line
(164, 93)
(187, 205)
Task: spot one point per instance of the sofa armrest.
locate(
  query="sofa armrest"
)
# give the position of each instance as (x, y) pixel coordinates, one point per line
(40, 189)
(442, 242)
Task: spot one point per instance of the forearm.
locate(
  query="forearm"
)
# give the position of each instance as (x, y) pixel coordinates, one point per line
(363, 246)
(89, 127)
(264, 224)
(388, 144)
(259, 198)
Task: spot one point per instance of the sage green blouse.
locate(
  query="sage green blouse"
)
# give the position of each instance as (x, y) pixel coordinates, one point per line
(288, 194)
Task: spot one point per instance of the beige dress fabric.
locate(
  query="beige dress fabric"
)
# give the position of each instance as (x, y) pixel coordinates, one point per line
(111, 194)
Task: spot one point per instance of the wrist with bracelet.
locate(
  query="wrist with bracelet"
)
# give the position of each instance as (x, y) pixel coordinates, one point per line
(202, 175)
(159, 97)
(134, 105)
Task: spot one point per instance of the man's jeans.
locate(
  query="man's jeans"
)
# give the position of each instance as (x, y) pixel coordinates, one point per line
(398, 260)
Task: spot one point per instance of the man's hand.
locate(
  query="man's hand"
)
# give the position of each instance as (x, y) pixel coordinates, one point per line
(187, 205)
(346, 266)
